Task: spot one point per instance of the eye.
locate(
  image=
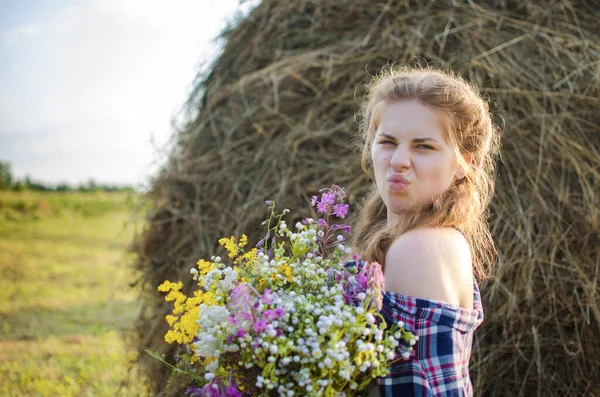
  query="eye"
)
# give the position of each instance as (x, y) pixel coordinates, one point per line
(387, 142)
(428, 147)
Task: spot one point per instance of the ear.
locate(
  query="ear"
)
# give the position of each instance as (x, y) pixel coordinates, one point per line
(460, 171)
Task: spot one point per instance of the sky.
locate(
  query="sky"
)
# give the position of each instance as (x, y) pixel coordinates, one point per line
(89, 88)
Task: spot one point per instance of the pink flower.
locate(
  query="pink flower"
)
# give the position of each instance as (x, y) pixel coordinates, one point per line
(328, 198)
(373, 273)
(260, 326)
(267, 297)
(314, 200)
(240, 306)
(340, 210)
(322, 207)
(269, 315)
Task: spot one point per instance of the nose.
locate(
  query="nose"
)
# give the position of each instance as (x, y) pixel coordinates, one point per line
(401, 158)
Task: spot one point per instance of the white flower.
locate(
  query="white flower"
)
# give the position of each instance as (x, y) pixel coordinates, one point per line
(206, 345)
(212, 316)
(208, 280)
(212, 366)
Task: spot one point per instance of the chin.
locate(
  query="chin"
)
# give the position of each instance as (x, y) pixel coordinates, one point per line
(398, 207)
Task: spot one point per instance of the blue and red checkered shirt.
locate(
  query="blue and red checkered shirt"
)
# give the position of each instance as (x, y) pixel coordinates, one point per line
(439, 363)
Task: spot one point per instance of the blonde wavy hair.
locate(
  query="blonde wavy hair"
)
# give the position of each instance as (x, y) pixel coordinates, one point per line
(469, 129)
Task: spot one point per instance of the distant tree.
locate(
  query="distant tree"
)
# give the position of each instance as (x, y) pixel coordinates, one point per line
(19, 186)
(6, 178)
(30, 184)
(63, 187)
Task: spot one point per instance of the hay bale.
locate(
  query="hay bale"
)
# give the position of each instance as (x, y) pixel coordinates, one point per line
(274, 119)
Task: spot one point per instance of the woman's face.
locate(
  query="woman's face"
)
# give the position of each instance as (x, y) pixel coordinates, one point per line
(411, 158)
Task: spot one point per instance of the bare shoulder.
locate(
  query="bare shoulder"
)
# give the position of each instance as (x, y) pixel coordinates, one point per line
(431, 263)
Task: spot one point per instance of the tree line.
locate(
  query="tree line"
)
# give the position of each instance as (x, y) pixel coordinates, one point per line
(9, 183)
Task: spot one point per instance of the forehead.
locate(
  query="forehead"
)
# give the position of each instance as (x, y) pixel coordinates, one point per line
(409, 117)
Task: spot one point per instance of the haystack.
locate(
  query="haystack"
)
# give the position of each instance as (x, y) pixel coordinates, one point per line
(275, 117)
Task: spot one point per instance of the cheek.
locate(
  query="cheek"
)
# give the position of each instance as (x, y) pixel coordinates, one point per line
(379, 159)
(439, 170)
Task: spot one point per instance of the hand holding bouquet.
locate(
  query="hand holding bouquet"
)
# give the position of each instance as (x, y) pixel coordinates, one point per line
(288, 317)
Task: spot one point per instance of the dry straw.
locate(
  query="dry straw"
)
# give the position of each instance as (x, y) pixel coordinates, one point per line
(274, 119)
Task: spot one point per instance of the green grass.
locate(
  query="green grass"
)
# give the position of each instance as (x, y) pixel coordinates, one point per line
(65, 298)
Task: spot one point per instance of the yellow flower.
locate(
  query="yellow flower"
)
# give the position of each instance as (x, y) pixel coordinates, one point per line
(262, 284)
(185, 312)
(243, 241)
(250, 256)
(168, 286)
(205, 266)
(287, 272)
(230, 245)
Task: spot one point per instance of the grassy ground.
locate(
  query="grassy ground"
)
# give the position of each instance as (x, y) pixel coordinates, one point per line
(65, 299)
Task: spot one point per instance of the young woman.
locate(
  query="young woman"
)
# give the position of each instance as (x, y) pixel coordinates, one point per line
(429, 144)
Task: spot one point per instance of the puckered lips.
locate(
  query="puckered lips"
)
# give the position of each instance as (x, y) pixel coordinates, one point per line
(397, 183)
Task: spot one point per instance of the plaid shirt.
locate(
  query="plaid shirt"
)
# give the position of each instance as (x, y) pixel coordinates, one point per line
(439, 363)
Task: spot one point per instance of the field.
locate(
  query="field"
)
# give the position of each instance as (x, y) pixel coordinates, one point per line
(65, 295)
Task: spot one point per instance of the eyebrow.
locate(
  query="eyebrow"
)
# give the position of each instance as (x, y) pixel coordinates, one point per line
(415, 140)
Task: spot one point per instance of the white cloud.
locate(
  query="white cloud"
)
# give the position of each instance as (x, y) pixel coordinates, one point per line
(16, 35)
(100, 78)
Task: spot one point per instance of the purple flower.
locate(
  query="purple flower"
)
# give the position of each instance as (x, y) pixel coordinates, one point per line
(321, 222)
(363, 281)
(328, 198)
(193, 392)
(260, 326)
(214, 388)
(314, 200)
(232, 389)
(322, 207)
(267, 297)
(269, 315)
(279, 312)
(340, 210)
(347, 297)
(343, 228)
(241, 333)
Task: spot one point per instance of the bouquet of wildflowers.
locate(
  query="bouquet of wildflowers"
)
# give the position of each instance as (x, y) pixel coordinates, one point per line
(287, 317)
